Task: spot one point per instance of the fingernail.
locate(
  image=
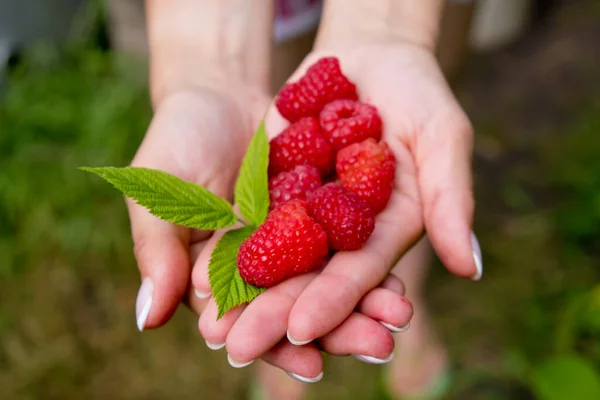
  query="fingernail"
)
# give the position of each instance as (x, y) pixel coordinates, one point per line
(477, 257)
(235, 364)
(143, 303)
(202, 295)
(373, 360)
(297, 342)
(214, 346)
(305, 379)
(395, 329)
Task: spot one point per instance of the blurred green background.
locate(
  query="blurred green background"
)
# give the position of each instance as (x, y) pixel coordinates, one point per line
(529, 330)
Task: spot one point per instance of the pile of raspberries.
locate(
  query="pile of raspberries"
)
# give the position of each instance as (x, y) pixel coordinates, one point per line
(329, 175)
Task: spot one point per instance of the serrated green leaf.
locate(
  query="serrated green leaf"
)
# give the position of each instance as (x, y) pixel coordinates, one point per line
(228, 288)
(252, 187)
(170, 198)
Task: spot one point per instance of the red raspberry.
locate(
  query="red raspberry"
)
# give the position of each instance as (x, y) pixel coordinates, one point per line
(322, 83)
(289, 243)
(344, 122)
(368, 169)
(348, 220)
(300, 143)
(294, 184)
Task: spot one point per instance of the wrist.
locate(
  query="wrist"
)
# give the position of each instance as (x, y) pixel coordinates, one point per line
(208, 44)
(351, 23)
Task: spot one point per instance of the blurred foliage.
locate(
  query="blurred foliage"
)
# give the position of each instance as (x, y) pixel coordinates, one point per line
(63, 110)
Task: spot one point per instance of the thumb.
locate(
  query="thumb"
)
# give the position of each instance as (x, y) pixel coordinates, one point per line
(444, 162)
(161, 251)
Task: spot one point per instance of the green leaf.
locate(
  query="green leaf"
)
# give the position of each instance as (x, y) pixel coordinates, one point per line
(566, 377)
(252, 188)
(228, 288)
(170, 198)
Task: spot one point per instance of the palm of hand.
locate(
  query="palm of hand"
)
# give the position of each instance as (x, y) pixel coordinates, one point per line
(430, 137)
(200, 137)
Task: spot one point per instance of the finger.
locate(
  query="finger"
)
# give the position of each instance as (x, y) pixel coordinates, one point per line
(393, 283)
(196, 304)
(200, 280)
(264, 321)
(362, 337)
(215, 331)
(200, 277)
(195, 301)
(334, 294)
(161, 253)
(443, 154)
(304, 363)
(391, 309)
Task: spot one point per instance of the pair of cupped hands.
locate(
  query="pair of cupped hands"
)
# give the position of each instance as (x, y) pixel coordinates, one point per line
(353, 304)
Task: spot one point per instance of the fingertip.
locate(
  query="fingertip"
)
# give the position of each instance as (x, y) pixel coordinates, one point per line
(452, 240)
(238, 364)
(295, 342)
(300, 331)
(143, 303)
(394, 328)
(477, 258)
(213, 330)
(163, 262)
(202, 295)
(301, 363)
(200, 279)
(391, 309)
(359, 335)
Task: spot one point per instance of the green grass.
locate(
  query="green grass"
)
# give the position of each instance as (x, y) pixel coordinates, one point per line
(68, 280)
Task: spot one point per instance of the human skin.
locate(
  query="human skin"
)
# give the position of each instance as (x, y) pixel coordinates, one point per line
(387, 49)
(208, 85)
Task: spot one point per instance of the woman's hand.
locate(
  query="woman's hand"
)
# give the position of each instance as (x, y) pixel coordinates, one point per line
(201, 136)
(431, 139)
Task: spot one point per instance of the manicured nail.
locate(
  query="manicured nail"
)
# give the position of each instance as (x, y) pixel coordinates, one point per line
(297, 342)
(143, 303)
(202, 295)
(373, 360)
(395, 329)
(235, 364)
(305, 379)
(214, 346)
(477, 257)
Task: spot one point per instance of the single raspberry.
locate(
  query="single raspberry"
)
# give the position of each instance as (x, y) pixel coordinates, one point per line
(300, 143)
(348, 220)
(344, 122)
(289, 243)
(368, 169)
(294, 184)
(322, 83)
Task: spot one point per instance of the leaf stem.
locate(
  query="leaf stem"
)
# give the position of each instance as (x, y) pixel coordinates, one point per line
(242, 221)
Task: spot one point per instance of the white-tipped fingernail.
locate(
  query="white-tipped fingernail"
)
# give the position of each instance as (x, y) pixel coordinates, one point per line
(305, 379)
(202, 295)
(476, 257)
(235, 364)
(373, 360)
(213, 346)
(297, 342)
(395, 329)
(143, 303)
